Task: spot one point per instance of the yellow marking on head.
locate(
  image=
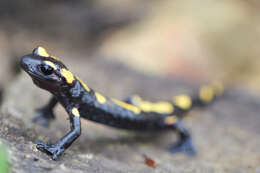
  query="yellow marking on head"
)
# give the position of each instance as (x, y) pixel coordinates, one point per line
(83, 84)
(206, 93)
(68, 75)
(54, 57)
(101, 99)
(51, 64)
(75, 112)
(158, 107)
(127, 106)
(41, 52)
(170, 120)
(183, 101)
(218, 87)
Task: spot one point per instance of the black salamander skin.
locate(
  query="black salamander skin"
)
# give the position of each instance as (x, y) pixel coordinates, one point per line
(80, 101)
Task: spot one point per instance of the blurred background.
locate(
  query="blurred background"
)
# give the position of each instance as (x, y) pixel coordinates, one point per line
(191, 40)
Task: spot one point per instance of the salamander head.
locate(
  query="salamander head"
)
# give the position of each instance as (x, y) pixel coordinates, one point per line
(46, 71)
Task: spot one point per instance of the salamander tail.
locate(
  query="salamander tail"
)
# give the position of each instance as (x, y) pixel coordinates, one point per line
(208, 94)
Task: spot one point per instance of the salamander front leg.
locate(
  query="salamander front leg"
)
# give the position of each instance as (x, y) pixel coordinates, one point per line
(184, 144)
(55, 150)
(45, 114)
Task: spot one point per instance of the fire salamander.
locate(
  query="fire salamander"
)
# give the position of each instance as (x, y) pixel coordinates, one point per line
(80, 101)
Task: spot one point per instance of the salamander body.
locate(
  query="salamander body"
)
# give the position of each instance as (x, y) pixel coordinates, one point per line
(80, 101)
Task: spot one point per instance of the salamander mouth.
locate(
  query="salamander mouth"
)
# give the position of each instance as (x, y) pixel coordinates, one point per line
(37, 80)
(35, 76)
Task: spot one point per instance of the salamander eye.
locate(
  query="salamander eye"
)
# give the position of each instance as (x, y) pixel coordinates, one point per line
(46, 69)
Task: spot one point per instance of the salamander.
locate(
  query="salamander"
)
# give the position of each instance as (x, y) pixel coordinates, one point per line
(133, 113)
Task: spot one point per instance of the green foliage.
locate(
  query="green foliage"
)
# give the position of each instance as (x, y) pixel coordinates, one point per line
(4, 164)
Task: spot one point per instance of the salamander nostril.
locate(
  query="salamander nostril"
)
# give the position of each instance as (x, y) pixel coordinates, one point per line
(28, 63)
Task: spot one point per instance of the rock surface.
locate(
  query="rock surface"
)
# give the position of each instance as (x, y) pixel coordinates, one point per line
(226, 133)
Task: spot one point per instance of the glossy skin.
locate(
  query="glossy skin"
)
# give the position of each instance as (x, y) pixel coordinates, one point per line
(48, 73)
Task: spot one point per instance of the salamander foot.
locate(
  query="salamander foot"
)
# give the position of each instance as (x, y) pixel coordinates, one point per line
(186, 146)
(51, 149)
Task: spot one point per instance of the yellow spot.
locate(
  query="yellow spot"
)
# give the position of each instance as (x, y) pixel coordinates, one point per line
(54, 57)
(51, 64)
(75, 112)
(101, 99)
(127, 106)
(68, 75)
(158, 107)
(41, 52)
(218, 87)
(206, 93)
(183, 101)
(170, 120)
(83, 84)
(136, 99)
